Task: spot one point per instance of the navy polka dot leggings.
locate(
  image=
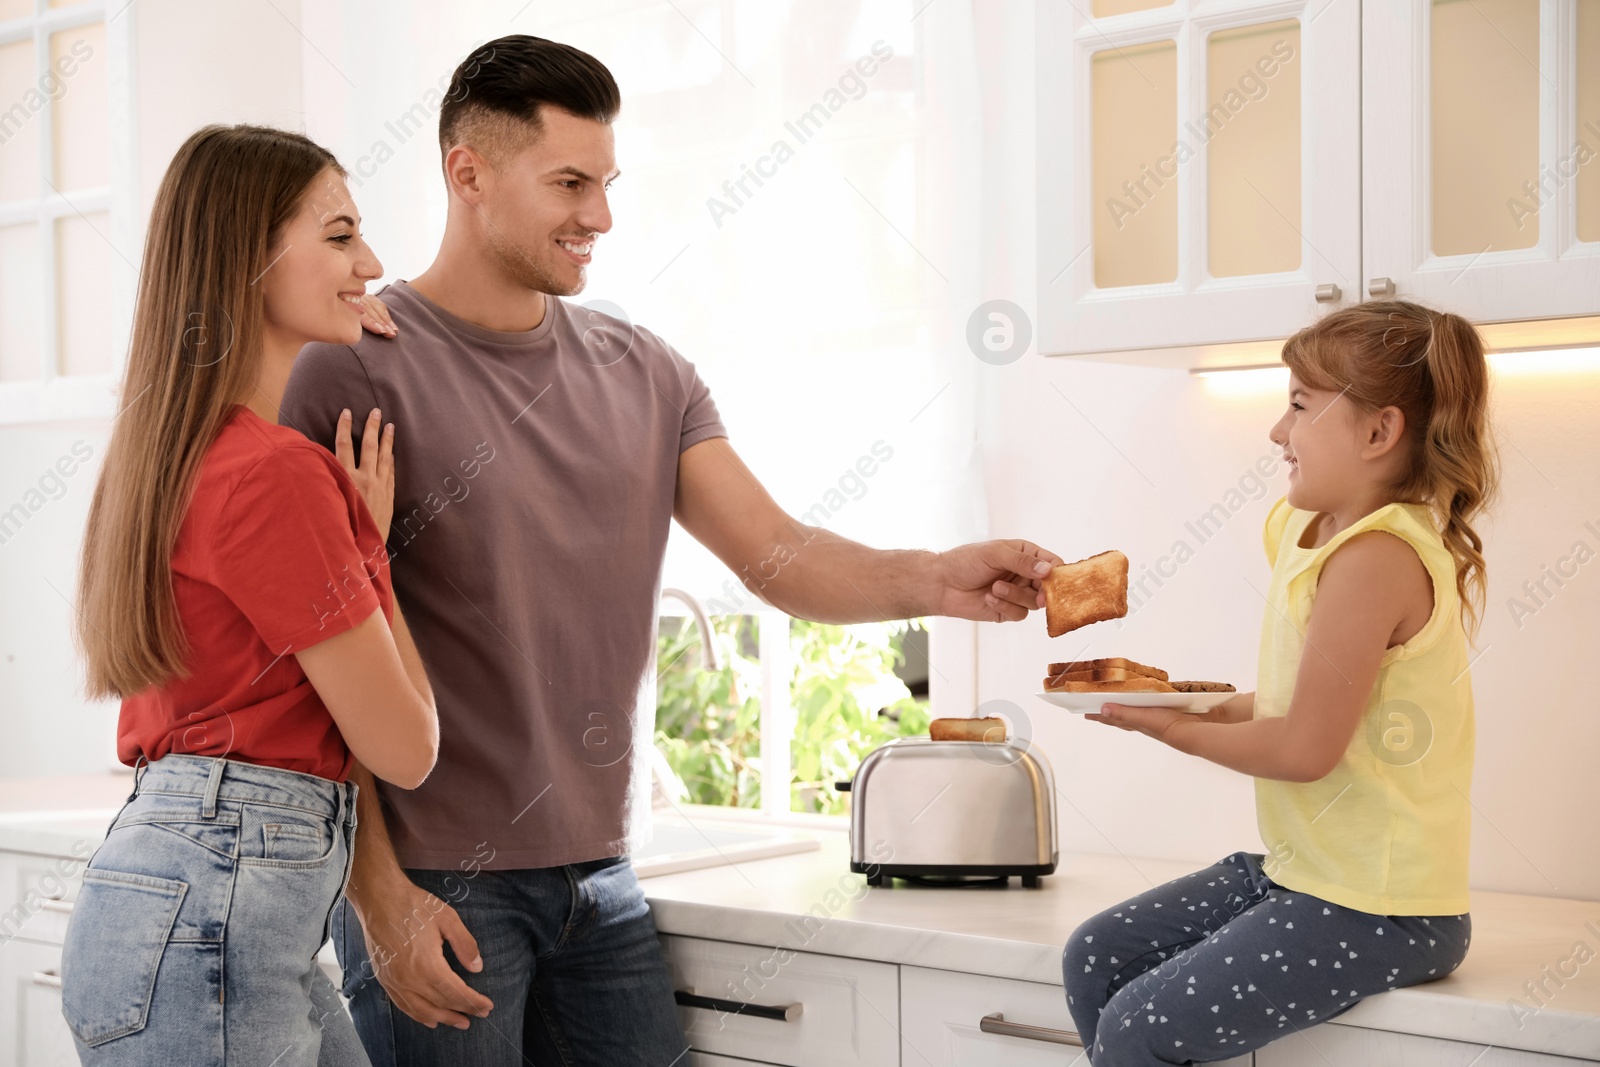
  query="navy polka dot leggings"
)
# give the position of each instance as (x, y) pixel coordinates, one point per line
(1223, 961)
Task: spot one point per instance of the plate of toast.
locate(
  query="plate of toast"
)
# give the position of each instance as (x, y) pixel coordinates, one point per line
(1083, 686)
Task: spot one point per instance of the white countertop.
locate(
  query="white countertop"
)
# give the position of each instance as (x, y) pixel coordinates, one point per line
(1012, 933)
(1019, 933)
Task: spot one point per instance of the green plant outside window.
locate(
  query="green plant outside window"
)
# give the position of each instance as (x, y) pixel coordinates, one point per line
(847, 701)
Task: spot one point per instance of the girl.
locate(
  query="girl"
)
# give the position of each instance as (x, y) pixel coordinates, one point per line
(1360, 733)
(235, 594)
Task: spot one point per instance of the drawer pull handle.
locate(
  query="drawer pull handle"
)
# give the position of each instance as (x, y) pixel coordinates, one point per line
(49, 979)
(996, 1024)
(784, 1013)
(64, 906)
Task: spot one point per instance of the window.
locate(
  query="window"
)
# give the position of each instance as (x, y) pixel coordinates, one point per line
(67, 275)
(834, 692)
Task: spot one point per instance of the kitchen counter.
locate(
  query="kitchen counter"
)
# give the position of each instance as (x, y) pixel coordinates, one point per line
(63, 815)
(1018, 933)
(1518, 942)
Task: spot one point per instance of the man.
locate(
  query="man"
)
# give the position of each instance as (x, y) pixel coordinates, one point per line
(541, 452)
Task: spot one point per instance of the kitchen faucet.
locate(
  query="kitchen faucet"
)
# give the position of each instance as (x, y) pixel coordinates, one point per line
(668, 787)
(708, 644)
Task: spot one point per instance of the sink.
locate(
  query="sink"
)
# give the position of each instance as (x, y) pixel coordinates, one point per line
(680, 843)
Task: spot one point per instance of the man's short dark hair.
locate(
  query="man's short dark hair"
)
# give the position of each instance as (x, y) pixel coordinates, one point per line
(497, 91)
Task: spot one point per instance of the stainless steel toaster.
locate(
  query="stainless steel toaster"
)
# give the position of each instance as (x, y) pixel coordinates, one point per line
(939, 810)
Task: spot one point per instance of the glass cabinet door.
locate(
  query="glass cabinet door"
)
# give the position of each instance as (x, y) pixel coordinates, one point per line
(1199, 170)
(1481, 155)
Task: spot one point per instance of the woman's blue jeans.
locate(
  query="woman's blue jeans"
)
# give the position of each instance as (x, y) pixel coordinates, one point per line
(194, 937)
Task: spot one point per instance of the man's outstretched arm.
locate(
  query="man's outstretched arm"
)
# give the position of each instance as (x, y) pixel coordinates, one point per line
(814, 574)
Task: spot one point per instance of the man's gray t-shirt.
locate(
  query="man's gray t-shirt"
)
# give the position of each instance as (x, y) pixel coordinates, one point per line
(534, 482)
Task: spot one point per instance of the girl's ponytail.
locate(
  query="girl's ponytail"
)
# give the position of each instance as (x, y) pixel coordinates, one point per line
(1431, 366)
(1456, 469)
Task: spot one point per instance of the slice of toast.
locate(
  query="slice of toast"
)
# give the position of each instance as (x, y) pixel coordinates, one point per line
(1090, 590)
(990, 730)
(1099, 674)
(1108, 661)
(1203, 687)
(1136, 684)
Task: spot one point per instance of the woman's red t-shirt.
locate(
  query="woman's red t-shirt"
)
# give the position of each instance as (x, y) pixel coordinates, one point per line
(276, 553)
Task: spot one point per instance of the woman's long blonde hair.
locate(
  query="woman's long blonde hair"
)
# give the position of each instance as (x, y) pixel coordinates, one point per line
(196, 349)
(1429, 364)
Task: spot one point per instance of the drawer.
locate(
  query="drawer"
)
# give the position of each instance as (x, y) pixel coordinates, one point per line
(32, 1031)
(949, 1019)
(839, 1011)
(36, 894)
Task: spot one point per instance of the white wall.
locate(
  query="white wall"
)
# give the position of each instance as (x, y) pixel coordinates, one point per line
(1148, 450)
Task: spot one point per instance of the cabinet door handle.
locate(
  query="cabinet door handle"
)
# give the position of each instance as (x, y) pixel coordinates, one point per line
(784, 1013)
(49, 979)
(1380, 286)
(996, 1024)
(64, 906)
(1328, 293)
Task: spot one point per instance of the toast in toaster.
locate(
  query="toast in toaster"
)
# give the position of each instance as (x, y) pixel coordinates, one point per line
(1203, 687)
(1136, 684)
(1108, 661)
(1090, 590)
(990, 730)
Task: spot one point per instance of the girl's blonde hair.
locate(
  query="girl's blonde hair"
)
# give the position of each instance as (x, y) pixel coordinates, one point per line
(196, 349)
(1429, 364)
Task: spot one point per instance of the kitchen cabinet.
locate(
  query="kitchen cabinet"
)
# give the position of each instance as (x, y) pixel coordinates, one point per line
(36, 894)
(32, 1031)
(1481, 155)
(799, 1008)
(966, 1020)
(1199, 171)
(1330, 1043)
(1212, 172)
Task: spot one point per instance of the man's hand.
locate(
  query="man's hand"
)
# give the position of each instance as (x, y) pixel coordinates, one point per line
(405, 936)
(992, 581)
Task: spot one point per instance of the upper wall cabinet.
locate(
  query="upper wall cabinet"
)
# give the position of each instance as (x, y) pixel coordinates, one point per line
(1217, 171)
(1199, 170)
(1481, 155)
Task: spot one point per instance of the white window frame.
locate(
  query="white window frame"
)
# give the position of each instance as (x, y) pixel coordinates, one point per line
(54, 396)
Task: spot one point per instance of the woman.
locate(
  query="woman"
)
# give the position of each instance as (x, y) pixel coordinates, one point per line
(235, 594)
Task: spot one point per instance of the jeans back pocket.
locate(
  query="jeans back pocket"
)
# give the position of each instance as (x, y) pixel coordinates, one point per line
(114, 943)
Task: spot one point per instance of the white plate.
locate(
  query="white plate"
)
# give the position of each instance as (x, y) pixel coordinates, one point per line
(1083, 703)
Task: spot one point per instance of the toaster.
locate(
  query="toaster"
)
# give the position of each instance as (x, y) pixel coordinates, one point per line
(953, 810)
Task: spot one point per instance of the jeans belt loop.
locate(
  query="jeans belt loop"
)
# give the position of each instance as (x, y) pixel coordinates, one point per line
(208, 809)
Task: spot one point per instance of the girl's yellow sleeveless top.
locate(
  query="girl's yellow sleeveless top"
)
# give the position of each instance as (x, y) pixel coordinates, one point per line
(1387, 831)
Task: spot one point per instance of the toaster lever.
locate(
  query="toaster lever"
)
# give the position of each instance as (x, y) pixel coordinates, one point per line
(784, 1013)
(842, 787)
(996, 1024)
